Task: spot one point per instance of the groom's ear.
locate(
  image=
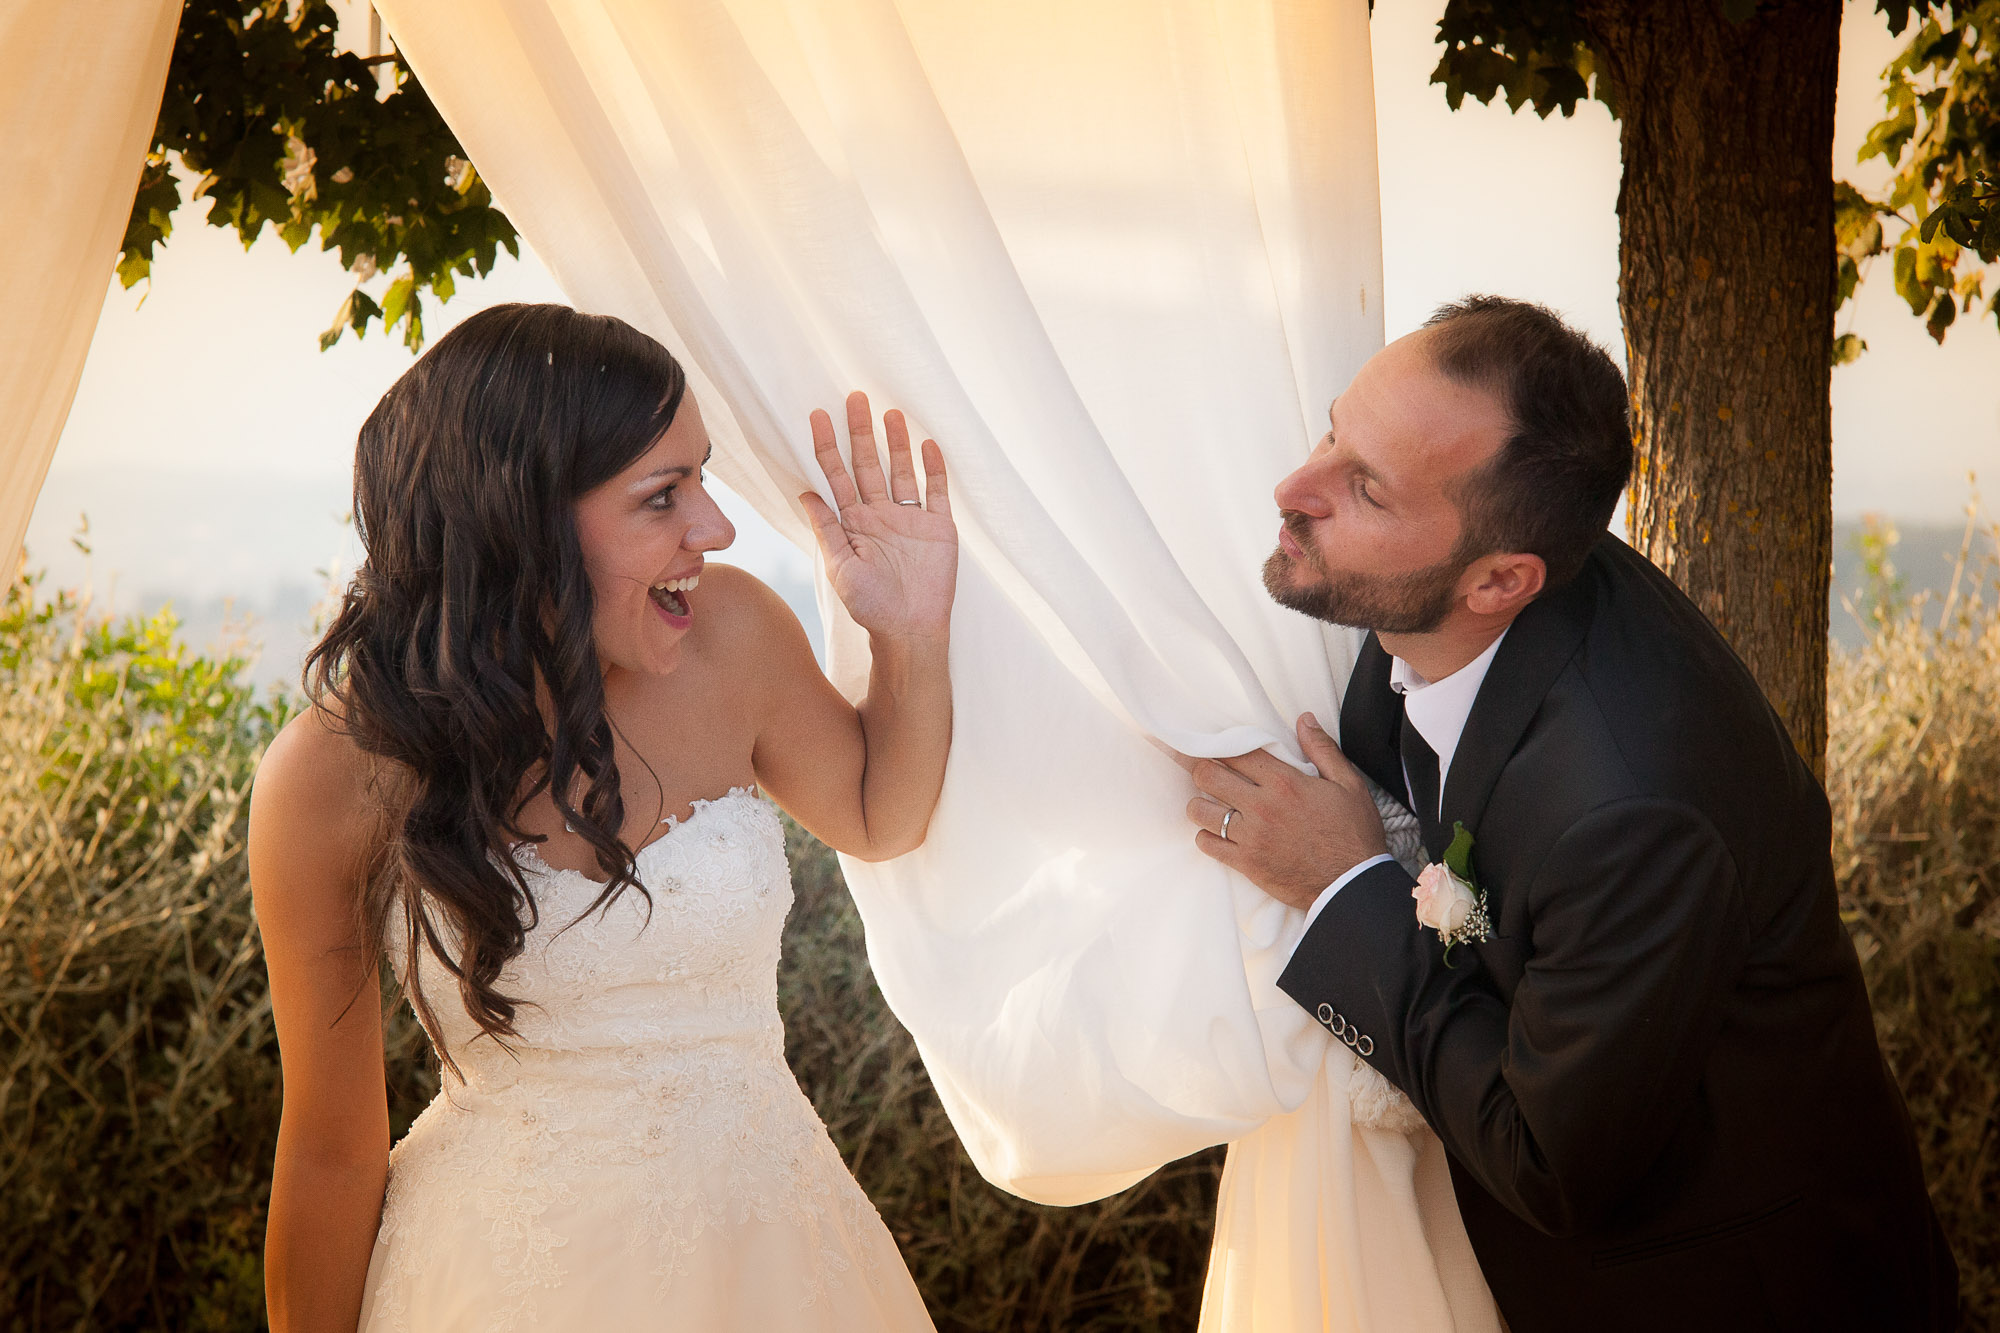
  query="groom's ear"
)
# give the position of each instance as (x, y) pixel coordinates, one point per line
(1503, 584)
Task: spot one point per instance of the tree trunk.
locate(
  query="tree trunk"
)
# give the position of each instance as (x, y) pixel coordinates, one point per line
(1726, 286)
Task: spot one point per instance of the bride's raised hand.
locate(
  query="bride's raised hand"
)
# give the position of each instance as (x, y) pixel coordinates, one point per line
(891, 554)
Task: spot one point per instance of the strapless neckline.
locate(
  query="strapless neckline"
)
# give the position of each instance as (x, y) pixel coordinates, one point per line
(528, 855)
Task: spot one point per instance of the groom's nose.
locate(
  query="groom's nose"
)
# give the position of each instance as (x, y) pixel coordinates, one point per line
(1304, 489)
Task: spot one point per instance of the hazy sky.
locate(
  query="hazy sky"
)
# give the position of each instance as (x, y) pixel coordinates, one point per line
(211, 440)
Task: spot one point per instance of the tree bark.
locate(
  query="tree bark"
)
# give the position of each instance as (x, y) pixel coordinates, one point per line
(1726, 287)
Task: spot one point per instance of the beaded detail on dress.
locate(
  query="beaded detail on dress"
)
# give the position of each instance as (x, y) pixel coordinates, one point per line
(646, 1104)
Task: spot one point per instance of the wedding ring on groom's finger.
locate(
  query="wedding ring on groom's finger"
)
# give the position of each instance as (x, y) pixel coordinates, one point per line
(909, 502)
(1227, 815)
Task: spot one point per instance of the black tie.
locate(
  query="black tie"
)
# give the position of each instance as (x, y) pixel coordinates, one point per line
(1421, 762)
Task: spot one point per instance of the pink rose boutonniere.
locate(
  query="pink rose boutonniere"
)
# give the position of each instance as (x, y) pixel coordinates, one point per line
(1449, 900)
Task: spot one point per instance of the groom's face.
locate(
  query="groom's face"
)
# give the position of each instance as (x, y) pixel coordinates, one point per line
(1372, 523)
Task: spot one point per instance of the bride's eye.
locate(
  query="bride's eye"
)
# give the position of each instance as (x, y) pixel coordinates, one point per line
(662, 500)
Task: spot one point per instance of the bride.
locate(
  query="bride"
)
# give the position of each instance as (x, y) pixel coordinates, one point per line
(532, 772)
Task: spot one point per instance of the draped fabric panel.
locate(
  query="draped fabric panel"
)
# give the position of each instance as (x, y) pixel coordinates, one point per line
(1117, 258)
(80, 86)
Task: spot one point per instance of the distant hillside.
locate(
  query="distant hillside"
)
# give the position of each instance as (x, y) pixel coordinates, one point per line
(275, 629)
(1923, 557)
(244, 556)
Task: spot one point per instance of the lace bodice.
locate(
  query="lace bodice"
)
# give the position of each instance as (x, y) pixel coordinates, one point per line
(635, 980)
(646, 1101)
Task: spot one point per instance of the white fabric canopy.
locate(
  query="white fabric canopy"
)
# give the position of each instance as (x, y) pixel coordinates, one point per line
(1117, 258)
(80, 89)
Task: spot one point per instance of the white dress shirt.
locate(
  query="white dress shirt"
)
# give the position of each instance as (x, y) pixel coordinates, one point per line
(1438, 710)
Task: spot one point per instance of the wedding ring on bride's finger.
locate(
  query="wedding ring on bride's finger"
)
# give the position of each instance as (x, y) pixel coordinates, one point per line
(1227, 815)
(909, 502)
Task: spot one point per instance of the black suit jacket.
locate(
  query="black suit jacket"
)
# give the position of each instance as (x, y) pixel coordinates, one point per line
(1658, 1082)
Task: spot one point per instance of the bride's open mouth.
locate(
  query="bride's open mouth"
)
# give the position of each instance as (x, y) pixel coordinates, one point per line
(671, 595)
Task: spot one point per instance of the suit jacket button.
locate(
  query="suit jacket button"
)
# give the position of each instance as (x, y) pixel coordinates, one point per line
(1366, 1046)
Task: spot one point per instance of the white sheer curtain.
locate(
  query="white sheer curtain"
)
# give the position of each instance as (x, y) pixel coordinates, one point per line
(80, 89)
(1117, 258)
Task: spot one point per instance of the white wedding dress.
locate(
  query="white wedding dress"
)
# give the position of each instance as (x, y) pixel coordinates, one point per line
(1117, 258)
(643, 1158)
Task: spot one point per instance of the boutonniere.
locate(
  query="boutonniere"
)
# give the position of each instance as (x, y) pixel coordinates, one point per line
(1449, 899)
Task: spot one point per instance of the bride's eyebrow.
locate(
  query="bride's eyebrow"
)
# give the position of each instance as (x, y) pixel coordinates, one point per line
(677, 473)
(657, 473)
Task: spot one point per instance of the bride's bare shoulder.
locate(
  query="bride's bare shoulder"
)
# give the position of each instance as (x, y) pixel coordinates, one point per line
(315, 751)
(747, 623)
(317, 795)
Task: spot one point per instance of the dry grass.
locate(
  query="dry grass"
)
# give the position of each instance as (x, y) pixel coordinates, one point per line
(138, 1072)
(1913, 772)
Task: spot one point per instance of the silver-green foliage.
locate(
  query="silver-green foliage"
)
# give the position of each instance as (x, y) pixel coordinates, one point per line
(139, 1087)
(139, 1074)
(137, 1095)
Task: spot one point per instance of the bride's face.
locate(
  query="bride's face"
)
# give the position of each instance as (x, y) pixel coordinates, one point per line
(644, 534)
(1371, 522)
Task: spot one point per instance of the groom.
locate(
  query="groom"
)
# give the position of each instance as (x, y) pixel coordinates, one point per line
(1652, 1062)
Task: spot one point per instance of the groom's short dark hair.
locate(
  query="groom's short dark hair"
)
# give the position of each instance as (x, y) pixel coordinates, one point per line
(1551, 487)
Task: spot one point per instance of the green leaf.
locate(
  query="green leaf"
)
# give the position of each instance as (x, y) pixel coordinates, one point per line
(1887, 138)
(354, 313)
(1941, 137)
(1941, 48)
(1536, 52)
(244, 78)
(133, 268)
(1847, 348)
(1912, 291)
(1928, 230)
(413, 334)
(1458, 856)
(1857, 225)
(1943, 311)
(1899, 11)
(398, 299)
(1563, 88)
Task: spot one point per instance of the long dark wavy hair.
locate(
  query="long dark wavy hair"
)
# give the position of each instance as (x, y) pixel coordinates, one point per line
(471, 610)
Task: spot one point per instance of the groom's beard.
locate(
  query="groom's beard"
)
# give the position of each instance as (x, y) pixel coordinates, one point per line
(1412, 603)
